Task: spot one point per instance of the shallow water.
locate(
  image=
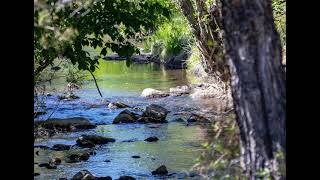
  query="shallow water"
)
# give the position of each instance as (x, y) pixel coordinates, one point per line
(179, 145)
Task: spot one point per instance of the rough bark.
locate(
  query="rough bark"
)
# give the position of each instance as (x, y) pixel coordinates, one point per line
(253, 52)
(205, 23)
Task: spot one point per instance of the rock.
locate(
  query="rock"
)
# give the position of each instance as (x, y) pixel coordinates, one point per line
(197, 118)
(180, 90)
(135, 157)
(41, 132)
(73, 158)
(125, 117)
(48, 94)
(63, 179)
(48, 165)
(68, 97)
(152, 139)
(153, 93)
(116, 105)
(36, 174)
(92, 153)
(37, 153)
(126, 178)
(155, 114)
(55, 161)
(83, 175)
(88, 141)
(162, 170)
(107, 160)
(68, 124)
(60, 147)
(103, 178)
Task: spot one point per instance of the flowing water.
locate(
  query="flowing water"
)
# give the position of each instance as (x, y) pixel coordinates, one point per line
(179, 145)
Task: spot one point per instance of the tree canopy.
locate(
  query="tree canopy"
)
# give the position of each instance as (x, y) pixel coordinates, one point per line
(63, 28)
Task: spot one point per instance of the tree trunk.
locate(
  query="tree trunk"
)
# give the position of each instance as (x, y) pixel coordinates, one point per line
(253, 52)
(205, 23)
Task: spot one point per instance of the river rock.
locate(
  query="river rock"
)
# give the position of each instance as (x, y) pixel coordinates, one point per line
(60, 147)
(83, 175)
(153, 93)
(55, 161)
(36, 174)
(48, 165)
(135, 156)
(68, 124)
(103, 178)
(89, 141)
(40, 132)
(126, 178)
(116, 105)
(68, 97)
(73, 158)
(179, 90)
(152, 139)
(41, 147)
(155, 114)
(125, 117)
(162, 170)
(197, 118)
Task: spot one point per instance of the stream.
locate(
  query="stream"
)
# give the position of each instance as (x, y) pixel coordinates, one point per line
(179, 145)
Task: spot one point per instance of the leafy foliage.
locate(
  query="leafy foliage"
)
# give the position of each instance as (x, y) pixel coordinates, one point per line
(62, 29)
(171, 38)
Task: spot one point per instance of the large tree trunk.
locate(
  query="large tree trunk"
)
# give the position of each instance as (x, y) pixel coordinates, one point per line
(205, 23)
(253, 52)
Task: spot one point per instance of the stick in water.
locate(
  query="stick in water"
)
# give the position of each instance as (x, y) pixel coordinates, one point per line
(95, 81)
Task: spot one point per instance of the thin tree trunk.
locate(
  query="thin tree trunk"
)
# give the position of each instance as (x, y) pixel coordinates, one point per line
(253, 52)
(95, 81)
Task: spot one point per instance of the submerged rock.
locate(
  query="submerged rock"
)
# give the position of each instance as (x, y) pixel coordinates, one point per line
(135, 157)
(126, 178)
(125, 117)
(153, 93)
(89, 141)
(152, 139)
(83, 175)
(155, 114)
(162, 170)
(116, 105)
(60, 147)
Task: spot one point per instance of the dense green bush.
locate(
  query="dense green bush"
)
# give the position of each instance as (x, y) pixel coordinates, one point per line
(172, 38)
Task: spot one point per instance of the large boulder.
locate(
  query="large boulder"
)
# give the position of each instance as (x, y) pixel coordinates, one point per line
(153, 93)
(125, 117)
(68, 124)
(155, 114)
(88, 141)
